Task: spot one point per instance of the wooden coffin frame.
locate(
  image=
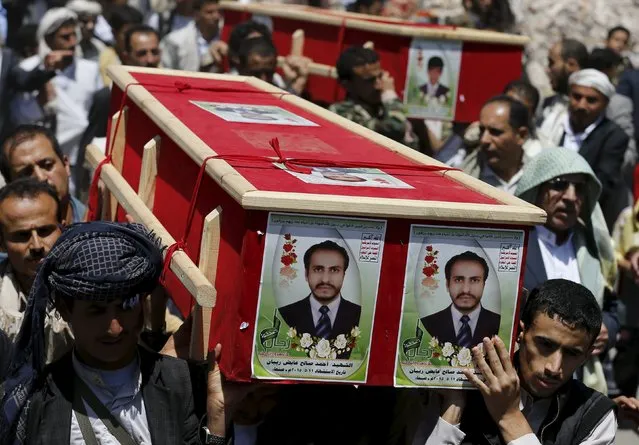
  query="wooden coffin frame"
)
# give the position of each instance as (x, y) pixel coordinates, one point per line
(371, 23)
(199, 279)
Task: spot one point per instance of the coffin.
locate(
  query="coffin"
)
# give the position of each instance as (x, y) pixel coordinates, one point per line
(477, 64)
(285, 208)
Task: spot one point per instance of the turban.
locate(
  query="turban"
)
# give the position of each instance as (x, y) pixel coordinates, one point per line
(87, 7)
(97, 261)
(53, 19)
(593, 79)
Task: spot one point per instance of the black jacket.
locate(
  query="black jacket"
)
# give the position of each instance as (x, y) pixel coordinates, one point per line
(604, 150)
(299, 316)
(575, 411)
(166, 390)
(440, 325)
(14, 79)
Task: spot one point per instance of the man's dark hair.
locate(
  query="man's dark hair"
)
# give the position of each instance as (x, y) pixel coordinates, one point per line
(572, 303)
(616, 29)
(518, 113)
(16, 137)
(262, 46)
(571, 48)
(325, 245)
(198, 4)
(119, 16)
(26, 39)
(526, 90)
(30, 188)
(465, 256)
(241, 31)
(139, 28)
(603, 59)
(498, 16)
(435, 62)
(352, 58)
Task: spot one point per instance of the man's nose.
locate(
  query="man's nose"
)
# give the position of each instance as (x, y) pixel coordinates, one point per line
(571, 193)
(553, 365)
(115, 328)
(39, 174)
(485, 138)
(36, 241)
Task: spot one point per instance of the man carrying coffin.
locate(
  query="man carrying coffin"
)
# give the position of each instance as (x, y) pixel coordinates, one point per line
(324, 313)
(465, 322)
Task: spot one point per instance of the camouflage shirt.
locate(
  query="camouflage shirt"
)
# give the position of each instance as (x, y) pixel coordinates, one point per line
(391, 120)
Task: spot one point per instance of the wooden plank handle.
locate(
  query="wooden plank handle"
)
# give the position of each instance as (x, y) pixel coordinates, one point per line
(187, 272)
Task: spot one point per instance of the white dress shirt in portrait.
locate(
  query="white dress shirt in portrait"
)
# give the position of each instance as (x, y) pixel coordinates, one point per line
(333, 307)
(457, 324)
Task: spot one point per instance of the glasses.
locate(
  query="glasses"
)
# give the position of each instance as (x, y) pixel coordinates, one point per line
(561, 185)
(373, 79)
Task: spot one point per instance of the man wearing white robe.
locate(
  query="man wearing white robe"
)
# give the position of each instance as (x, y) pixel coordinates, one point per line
(65, 101)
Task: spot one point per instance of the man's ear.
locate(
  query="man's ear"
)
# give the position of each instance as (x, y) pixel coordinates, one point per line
(572, 64)
(522, 328)
(67, 165)
(522, 134)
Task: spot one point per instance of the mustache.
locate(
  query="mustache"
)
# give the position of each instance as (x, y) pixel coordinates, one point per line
(35, 255)
(465, 295)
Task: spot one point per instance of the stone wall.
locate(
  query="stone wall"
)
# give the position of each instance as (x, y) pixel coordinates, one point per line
(546, 21)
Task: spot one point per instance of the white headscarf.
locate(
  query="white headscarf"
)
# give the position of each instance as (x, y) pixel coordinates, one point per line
(87, 7)
(50, 23)
(592, 78)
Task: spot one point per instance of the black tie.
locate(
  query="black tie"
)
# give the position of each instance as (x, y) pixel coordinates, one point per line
(465, 336)
(323, 328)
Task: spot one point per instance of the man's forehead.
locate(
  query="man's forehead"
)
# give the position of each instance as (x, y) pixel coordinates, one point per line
(143, 38)
(30, 150)
(586, 91)
(463, 267)
(560, 332)
(495, 113)
(17, 212)
(327, 257)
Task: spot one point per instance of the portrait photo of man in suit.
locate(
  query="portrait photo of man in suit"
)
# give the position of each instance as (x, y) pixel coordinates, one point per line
(324, 313)
(465, 322)
(433, 88)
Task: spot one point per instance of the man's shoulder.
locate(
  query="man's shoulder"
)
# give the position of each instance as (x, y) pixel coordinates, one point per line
(609, 129)
(30, 63)
(177, 37)
(490, 314)
(296, 305)
(437, 315)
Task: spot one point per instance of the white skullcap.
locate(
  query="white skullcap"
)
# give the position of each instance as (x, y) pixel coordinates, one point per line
(87, 7)
(53, 19)
(593, 79)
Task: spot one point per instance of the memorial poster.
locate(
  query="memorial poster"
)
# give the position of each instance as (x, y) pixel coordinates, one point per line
(432, 78)
(317, 298)
(254, 114)
(461, 285)
(349, 177)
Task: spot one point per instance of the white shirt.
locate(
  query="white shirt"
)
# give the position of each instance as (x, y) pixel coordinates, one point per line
(560, 261)
(119, 391)
(573, 140)
(432, 89)
(333, 307)
(457, 324)
(489, 176)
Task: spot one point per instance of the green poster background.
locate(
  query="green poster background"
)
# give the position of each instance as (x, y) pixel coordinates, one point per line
(416, 76)
(420, 362)
(273, 353)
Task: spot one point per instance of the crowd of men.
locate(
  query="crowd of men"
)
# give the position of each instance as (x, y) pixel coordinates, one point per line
(95, 361)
